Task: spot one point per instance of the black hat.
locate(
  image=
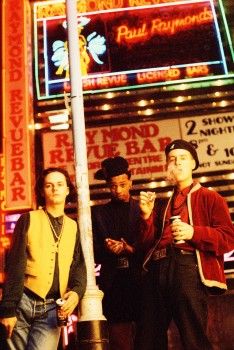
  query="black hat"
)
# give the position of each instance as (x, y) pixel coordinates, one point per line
(182, 144)
(112, 166)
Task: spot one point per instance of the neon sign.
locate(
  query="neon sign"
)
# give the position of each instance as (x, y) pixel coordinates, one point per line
(94, 43)
(130, 47)
(163, 27)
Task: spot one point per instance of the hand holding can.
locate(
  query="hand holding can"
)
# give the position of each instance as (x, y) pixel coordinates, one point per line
(173, 219)
(62, 318)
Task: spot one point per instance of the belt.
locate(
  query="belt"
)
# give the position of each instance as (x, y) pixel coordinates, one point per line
(184, 252)
(36, 298)
(159, 254)
(122, 262)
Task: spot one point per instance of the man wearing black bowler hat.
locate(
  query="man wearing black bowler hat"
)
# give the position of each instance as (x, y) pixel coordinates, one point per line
(184, 256)
(115, 226)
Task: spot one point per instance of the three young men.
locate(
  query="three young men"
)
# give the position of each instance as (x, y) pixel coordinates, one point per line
(183, 258)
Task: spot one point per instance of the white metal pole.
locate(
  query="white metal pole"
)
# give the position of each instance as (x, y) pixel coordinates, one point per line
(91, 304)
(79, 140)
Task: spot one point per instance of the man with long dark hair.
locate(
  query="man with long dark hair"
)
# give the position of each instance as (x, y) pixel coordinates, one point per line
(45, 263)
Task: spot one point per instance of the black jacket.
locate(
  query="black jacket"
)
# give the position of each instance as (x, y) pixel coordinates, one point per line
(118, 220)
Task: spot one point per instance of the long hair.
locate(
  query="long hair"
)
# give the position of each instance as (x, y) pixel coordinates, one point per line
(72, 196)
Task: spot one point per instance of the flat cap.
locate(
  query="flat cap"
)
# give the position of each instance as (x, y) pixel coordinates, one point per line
(182, 144)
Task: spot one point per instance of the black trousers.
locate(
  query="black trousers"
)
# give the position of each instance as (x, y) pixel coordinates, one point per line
(3, 338)
(172, 290)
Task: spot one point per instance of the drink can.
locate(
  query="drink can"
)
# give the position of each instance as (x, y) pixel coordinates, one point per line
(175, 217)
(61, 317)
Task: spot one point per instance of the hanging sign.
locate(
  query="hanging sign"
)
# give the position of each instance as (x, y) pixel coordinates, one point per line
(17, 104)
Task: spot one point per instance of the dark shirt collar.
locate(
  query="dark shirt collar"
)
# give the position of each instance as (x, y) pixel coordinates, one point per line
(185, 191)
(58, 219)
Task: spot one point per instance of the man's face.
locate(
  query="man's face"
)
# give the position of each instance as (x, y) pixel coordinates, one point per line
(120, 186)
(180, 165)
(55, 188)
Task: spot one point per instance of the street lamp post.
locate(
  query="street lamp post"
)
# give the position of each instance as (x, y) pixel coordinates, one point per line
(92, 327)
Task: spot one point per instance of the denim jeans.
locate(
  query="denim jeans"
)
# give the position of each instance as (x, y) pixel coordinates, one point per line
(36, 327)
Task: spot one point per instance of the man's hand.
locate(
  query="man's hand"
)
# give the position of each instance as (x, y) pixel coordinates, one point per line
(127, 247)
(118, 247)
(181, 230)
(72, 300)
(146, 203)
(9, 324)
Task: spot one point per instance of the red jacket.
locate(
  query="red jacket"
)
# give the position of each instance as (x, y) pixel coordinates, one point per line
(213, 232)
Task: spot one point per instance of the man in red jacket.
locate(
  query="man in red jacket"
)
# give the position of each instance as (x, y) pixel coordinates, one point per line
(184, 238)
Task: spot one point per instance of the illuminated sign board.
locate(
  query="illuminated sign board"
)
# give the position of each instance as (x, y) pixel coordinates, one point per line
(17, 101)
(130, 47)
(142, 144)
